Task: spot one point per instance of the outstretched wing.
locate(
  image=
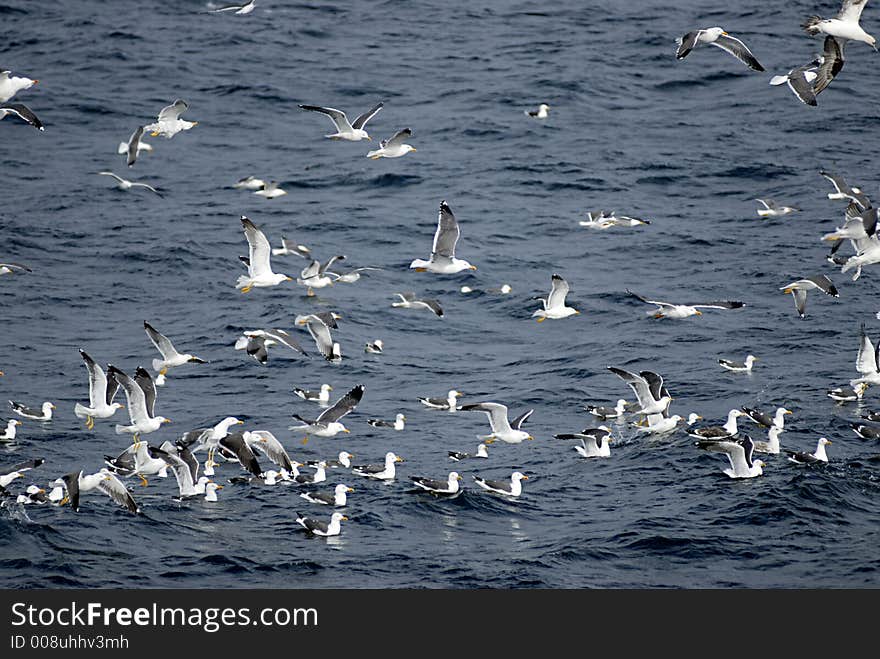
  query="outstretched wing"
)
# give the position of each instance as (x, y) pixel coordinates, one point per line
(342, 406)
(397, 139)
(637, 383)
(116, 490)
(366, 116)
(163, 343)
(686, 44)
(739, 50)
(172, 112)
(447, 233)
(866, 360)
(721, 304)
(337, 116)
(521, 419)
(851, 10)
(558, 290)
(145, 381)
(497, 415)
(259, 249)
(831, 63)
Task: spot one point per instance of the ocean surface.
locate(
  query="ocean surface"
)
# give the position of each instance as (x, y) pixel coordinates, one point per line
(687, 144)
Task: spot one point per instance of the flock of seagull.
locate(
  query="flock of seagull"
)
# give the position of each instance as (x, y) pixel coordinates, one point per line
(225, 444)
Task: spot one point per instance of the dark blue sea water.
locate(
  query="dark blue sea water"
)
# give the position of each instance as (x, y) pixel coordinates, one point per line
(688, 144)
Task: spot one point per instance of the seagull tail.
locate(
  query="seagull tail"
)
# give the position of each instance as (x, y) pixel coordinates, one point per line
(81, 411)
(158, 364)
(120, 429)
(778, 80)
(811, 24)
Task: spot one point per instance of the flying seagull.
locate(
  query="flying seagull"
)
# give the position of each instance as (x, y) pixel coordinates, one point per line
(844, 26)
(553, 306)
(739, 454)
(140, 393)
(799, 288)
(259, 267)
(502, 429)
(772, 209)
(649, 390)
(257, 342)
(353, 131)
(246, 8)
(717, 37)
(671, 310)
(125, 184)
(170, 356)
(102, 390)
(319, 326)
(10, 85)
(446, 236)
(169, 122)
(408, 300)
(394, 146)
(328, 423)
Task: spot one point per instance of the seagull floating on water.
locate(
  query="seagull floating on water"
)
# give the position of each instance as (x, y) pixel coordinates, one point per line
(449, 403)
(319, 528)
(43, 413)
(819, 455)
(458, 456)
(593, 441)
(731, 365)
(435, 486)
(322, 396)
(398, 423)
(511, 488)
(10, 431)
(385, 471)
(542, 112)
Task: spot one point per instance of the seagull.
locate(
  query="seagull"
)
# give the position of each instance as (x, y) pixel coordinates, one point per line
(842, 190)
(339, 498)
(125, 184)
(350, 276)
(140, 393)
(342, 460)
(10, 431)
(316, 275)
(319, 528)
(397, 424)
(44, 413)
(288, 247)
(449, 486)
(134, 146)
(670, 310)
(257, 342)
(141, 460)
(810, 458)
(211, 491)
(11, 268)
(772, 443)
(246, 8)
(102, 390)
(848, 394)
(800, 82)
(328, 423)
(738, 366)
(865, 431)
(170, 356)
(270, 190)
(594, 441)
(541, 113)
(33, 494)
(799, 289)
(259, 268)
(10, 85)
(322, 396)
(394, 146)
(449, 403)
(715, 433)
(443, 259)
(771, 209)
(384, 471)
(353, 131)
(512, 488)
(659, 424)
(21, 111)
(844, 26)
(606, 413)
(319, 328)
(648, 388)
(408, 300)
(9, 474)
(482, 452)
(597, 220)
(554, 305)
(867, 361)
(104, 480)
(717, 37)
(859, 226)
(169, 122)
(502, 429)
(374, 347)
(739, 453)
(765, 420)
(185, 468)
(625, 221)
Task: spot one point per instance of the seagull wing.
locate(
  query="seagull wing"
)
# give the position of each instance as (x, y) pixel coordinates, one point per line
(338, 117)
(397, 139)
(137, 401)
(172, 112)
(432, 304)
(447, 233)
(801, 86)
(182, 471)
(284, 338)
(366, 116)
(145, 381)
(866, 360)
(647, 301)
(851, 10)
(163, 343)
(686, 44)
(133, 143)
(824, 284)
(272, 448)
(313, 525)
(97, 380)
(497, 415)
(831, 63)
(23, 112)
(235, 443)
(342, 407)
(637, 383)
(516, 424)
(259, 249)
(721, 304)
(739, 50)
(321, 334)
(558, 290)
(116, 490)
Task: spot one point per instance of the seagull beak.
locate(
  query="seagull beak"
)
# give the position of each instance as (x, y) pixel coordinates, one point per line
(699, 313)
(529, 437)
(525, 478)
(350, 489)
(345, 518)
(166, 421)
(346, 430)
(398, 459)
(239, 422)
(725, 34)
(288, 279)
(64, 501)
(219, 487)
(473, 267)
(121, 406)
(829, 441)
